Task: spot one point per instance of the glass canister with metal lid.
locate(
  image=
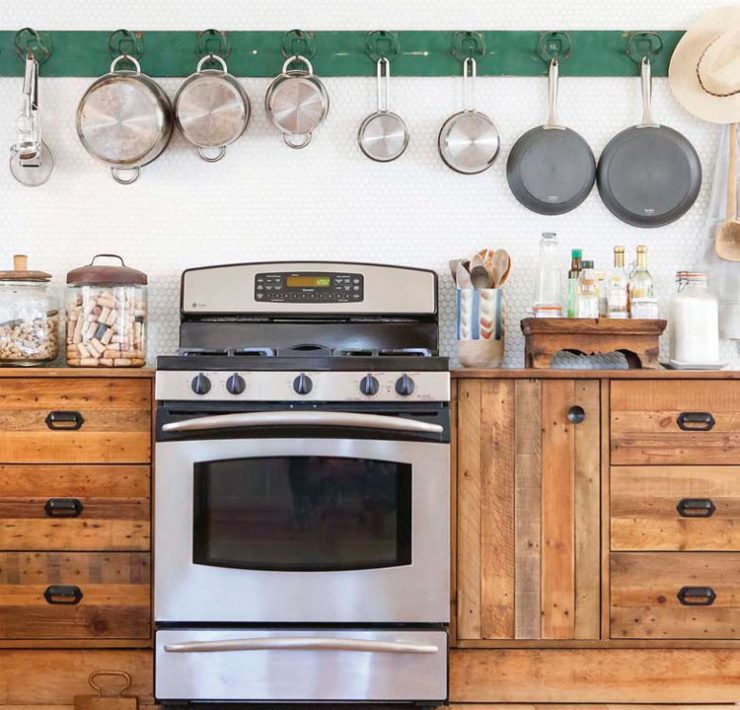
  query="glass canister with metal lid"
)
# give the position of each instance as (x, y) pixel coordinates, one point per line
(29, 316)
(106, 315)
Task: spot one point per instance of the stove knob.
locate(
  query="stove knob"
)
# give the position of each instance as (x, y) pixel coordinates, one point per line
(302, 384)
(405, 386)
(235, 384)
(200, 384)
(369, 385)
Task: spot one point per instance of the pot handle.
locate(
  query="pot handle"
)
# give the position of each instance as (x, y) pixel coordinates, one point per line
(298, 58)
(213, 158)
(125, 58)
(118, 175)
(212, 58)
(297, 146)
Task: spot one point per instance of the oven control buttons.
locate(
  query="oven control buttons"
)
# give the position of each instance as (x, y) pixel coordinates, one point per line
(235, 384)
(369, 385)
(200, 384)
(302, 384)
(405, 386)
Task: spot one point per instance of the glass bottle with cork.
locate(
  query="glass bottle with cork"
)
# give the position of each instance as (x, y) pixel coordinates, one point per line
(573, 274)
(642, 302)
(617, 288)
(588, 292)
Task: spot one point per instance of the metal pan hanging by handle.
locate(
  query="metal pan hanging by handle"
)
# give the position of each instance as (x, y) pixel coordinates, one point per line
(551, 169)
(649, 175)
(383, 135)
(469, 140)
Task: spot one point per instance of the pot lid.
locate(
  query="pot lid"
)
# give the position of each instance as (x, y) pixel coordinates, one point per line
(93, 273)
(20, 271)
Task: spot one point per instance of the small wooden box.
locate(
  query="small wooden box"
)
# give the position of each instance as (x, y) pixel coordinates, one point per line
(636, 339)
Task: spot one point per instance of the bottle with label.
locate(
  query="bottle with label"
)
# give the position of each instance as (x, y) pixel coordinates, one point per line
(617, 288)
(573, 274)
(642, 296)
(588, 292)
(602, 293)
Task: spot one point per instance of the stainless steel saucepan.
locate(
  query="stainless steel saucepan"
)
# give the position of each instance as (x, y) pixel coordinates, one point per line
(211, 109)
(125, 120)
(297, 102)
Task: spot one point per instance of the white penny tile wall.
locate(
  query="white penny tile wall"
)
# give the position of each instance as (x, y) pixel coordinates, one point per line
(265, 201)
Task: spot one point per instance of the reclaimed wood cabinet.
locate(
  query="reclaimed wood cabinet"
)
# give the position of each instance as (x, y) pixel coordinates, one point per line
(597, 538)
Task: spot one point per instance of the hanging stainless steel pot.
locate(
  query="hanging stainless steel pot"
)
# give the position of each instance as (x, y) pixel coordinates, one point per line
(297, 102)
(211, 109)
(469, 141)
(125, 120)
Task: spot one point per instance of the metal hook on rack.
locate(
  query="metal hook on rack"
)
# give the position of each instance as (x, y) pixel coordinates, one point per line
(643, 44)
(382, 45)
(554, 45)
(126, 42)
(466, 45)
(29, 41)
(210, 42)
(298, 43)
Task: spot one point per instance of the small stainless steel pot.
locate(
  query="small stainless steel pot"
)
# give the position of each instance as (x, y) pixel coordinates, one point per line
(125, 120)
(297, 102)
(211, 109)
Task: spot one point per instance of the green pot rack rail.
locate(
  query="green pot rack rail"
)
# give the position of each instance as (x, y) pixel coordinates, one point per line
(351, 53)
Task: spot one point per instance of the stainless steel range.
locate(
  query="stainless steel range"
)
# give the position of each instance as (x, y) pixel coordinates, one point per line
(302, 488)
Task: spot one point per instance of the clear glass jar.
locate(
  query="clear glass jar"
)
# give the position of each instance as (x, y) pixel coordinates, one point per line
(29, 316)
(548, 287)
(694, 320)
(106, 310)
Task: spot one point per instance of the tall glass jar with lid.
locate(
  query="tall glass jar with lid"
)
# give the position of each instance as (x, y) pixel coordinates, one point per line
(29, 316)
(694, 321)
(106, 315)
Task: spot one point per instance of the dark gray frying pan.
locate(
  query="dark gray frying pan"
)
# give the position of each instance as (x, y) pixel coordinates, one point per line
(551, 169)
(649, 175)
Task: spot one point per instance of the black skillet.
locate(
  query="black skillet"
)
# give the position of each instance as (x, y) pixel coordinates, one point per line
(649, 175)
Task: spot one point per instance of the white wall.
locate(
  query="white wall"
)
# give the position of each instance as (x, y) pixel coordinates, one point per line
(265, 201)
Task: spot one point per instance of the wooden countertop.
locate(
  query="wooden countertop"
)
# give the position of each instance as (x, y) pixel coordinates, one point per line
(39, 371)
(531, 373)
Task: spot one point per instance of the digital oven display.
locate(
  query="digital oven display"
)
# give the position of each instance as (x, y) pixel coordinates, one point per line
(309, 281)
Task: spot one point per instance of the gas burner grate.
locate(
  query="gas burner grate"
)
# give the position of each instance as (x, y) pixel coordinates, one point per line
(228, 352)
(385, 352)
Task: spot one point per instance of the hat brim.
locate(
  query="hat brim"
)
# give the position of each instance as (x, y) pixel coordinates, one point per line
(682, 71)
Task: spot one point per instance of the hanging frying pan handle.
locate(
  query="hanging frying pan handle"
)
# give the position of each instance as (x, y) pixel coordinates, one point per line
(470, 72)
(646, 81)
(552, 96)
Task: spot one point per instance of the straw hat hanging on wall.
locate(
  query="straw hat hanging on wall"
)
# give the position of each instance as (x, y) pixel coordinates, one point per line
(705, 67)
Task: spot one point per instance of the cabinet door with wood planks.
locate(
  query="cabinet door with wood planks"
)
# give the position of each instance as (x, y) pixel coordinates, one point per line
(528, 509)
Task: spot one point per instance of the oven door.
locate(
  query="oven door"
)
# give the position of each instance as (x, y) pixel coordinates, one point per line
(317, 529)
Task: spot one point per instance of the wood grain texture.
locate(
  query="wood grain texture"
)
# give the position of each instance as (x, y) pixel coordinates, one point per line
(644, 588)
(518, 373)
(558, 540)
(595, 676)
(605, 508)
(587, 475)
(116, 427)
(453, 513)
(497, 509)
(41, 678)
(528, 510)
(115, 588)
(78, 372)
(115, 514)
(468, 512)
(644, 513)
(645, 430)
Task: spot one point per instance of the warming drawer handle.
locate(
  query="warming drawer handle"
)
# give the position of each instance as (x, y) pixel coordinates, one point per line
(695, 421)
(63, 594)
(301, 644)
(696, 596)
(308, 418)
(64, 420)
(64, 508)
(696, 508)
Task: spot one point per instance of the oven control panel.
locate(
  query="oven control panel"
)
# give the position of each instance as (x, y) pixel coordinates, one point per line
(308, 287)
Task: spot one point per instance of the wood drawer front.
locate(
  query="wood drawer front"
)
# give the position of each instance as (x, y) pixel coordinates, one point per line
(675, 508)
(116, 420)
(77, 507)
(115, 591)
(645, 422)
(645, 588)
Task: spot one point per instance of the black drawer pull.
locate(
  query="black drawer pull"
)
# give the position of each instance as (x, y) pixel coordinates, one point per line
(696, 508)
(63, 594)
(63, 508)
(695, 421)
(64, 421)
(696, 596)
(576, 414)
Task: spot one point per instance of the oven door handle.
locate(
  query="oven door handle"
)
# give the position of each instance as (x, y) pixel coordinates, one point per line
(308, 418)
(300, 644)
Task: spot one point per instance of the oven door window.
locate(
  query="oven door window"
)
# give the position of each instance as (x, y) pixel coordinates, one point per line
(302, 513)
